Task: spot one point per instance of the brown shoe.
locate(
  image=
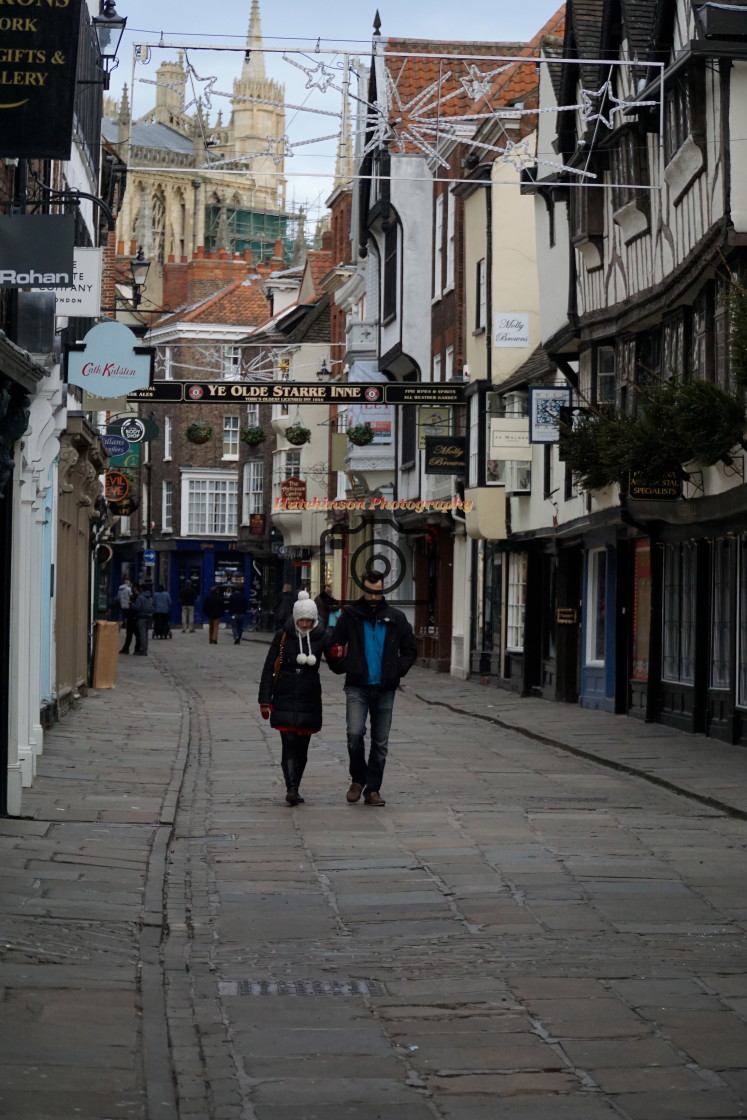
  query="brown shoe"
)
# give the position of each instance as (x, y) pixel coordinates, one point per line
(354, 793)
(374, 798)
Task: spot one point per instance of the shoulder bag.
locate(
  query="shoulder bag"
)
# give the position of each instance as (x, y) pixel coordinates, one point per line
(278, 663)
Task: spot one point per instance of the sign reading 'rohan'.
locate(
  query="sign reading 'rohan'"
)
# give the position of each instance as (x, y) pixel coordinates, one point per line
(38, 58)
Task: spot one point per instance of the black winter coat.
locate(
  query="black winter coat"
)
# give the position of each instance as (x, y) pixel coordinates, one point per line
(399, 653)
(214, 605)
(297, 699)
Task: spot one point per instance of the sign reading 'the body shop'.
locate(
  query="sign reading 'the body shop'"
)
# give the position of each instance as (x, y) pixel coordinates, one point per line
(38, 58)
(108, 363)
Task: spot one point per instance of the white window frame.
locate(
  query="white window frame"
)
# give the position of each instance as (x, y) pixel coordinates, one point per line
(436, 367)
(516, 593)
(596, 558)
(252, 415)
(449, 363)
(450, 239)
(481, 297)
(215, 482)
(167, 506)
(168, 437)
(231, 362)
(168, 363)
(231, 427)
(474, 440)
(253, 496)
(438, 248)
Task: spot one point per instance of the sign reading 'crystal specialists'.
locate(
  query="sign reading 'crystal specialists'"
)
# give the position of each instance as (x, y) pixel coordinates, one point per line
(38, 57)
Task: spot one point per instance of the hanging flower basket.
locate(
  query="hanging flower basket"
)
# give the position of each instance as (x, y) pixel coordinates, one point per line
(297, 435)
(252, 435)
(360, 434)
(199, 433)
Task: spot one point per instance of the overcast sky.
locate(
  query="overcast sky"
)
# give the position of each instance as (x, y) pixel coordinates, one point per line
(297, 26)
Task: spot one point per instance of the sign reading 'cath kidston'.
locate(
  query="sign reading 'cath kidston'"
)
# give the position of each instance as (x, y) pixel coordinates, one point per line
(108, 363)
(38, 58)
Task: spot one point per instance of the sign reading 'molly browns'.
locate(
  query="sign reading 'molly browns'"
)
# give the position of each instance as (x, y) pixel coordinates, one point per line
(38, 59)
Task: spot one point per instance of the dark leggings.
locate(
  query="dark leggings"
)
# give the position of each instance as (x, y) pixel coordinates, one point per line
(294, 756)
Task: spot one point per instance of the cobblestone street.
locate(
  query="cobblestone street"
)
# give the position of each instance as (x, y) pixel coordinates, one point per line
(547, 920)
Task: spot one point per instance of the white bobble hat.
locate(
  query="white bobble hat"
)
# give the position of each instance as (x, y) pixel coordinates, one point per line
(305, 607)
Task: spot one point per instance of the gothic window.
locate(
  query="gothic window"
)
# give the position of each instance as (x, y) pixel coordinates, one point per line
(604, 375)
(158, 226)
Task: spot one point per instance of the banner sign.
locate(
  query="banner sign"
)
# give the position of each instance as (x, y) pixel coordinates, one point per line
(445, 454)
(295, 392)
(38, 60)
(36, 250)
(108, 363)
(511, 328)
(668, 488)
(545, 403)
(83, 299)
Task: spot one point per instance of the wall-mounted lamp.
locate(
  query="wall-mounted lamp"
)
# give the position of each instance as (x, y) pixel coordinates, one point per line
(323, 374)
(109, 28)
(139, 266)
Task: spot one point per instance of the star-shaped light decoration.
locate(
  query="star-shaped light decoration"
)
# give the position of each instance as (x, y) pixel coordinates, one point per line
(327, 76)
(517, 155)
(478, 84)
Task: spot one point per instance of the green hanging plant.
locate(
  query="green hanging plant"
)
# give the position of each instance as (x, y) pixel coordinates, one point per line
(253, 435)
(199, 432)
(676, 424)
(297, 434)
(360, 434)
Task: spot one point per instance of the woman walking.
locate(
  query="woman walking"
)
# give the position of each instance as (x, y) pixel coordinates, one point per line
(290, 692)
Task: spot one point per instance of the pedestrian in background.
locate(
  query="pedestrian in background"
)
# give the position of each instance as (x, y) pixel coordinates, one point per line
(214, 607)
(283, 608)
(293, 700)
(373, 644)
(131, 631)
(238, 605)
(187, 599)
(143, 609)
(327, 606)
(124, 598)
(161, 609)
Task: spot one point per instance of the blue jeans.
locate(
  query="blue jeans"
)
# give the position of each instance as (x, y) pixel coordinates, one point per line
(360, 703)
(237, 626)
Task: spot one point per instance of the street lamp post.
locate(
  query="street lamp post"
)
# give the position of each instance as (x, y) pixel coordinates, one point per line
(109, 27)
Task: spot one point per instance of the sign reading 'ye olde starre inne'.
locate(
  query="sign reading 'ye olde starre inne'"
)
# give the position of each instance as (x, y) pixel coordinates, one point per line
(38, 58)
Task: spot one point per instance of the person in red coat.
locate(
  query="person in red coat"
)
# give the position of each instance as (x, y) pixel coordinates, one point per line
(294, 704)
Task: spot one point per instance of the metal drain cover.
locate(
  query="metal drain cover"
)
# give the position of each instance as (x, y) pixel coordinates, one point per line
(302, 988)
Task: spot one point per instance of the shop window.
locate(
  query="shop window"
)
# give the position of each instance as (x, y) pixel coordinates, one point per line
(629, 170)
(604, 385)
(678, 614)
(641, 610)
(676, 117)
(721, 613)
(596, 607)
(516, 602)
(742, 630)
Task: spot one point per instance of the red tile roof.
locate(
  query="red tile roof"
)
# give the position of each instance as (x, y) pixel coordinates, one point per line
(239, 304)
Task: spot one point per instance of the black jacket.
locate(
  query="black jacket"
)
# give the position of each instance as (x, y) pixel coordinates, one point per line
(214, 604)
(399, 653)
(188, 595)
(238, 603)
(283, 608)
(297, 698)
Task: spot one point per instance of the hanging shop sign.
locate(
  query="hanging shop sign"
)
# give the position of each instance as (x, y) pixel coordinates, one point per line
(257, 524)
(445, 455)
(509, 439)
(296, 392)
(36, 250)
(109, 363)
(38, 60)
(432, 422)
(115, 445)
(116, 486)
(545, 404)
(83, 299)
(292, 493)
(511, 328)
(125, 507)
(668, 488)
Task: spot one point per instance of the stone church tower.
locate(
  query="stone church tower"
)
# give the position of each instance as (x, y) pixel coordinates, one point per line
(194, 184)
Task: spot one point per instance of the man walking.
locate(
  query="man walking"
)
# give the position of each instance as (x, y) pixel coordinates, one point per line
(187, 598)
(373, 644)
(238, 605)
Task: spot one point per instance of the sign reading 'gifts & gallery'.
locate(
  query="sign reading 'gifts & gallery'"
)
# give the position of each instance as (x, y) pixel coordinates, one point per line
(38, 58)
